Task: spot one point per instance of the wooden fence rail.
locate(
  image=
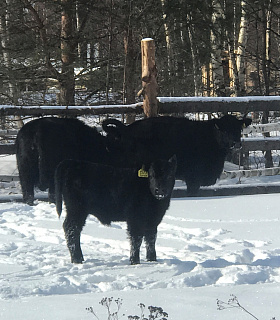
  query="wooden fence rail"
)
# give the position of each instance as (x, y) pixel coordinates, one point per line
(261, 144)
(218, 104)
(165, 105)
(39, 111)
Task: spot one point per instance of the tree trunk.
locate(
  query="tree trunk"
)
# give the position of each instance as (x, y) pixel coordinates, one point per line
(129, 68)
(13, 92)
(129, 73)
(197, 76)
(130, 52)
(241, 49)
(266, 69)
(238, 56)
(170, 57)
(67, 77)
(109, 58)
(216, 53)
(4, 32)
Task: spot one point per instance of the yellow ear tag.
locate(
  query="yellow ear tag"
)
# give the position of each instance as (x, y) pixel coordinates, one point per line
(142, 173)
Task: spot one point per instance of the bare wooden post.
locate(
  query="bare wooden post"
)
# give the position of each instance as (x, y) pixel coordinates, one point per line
(149, 74)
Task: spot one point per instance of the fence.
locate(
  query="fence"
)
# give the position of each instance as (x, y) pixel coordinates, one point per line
(166, 105)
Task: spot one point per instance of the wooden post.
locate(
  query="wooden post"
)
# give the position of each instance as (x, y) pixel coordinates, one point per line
(149, 74)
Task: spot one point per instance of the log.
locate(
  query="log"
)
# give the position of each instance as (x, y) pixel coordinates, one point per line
(40, 111)
(260, 144)
(168, 105)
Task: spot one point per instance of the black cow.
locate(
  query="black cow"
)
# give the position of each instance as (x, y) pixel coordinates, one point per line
(114, 194)
(201, 146)
(43, 143)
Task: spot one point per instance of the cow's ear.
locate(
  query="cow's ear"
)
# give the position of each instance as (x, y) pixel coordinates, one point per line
(246, 122)
(112, 126)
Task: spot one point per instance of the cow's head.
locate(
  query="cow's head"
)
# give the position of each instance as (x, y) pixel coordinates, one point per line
(161, 175)
(228, 130)
(127, 144)
(118, 142)
(113, 127)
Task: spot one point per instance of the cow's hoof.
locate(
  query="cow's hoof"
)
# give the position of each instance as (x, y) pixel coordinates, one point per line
(29, 201)
(77, 261)
(152, 260)
(133, 262)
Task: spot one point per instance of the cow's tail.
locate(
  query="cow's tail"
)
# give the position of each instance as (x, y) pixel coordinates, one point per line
(58, 181)
(113, 126)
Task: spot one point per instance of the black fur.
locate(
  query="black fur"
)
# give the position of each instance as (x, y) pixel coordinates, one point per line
(200, 146)
(114, 194)
(43, 143)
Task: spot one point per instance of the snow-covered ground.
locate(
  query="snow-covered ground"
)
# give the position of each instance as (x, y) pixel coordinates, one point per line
(208, 249)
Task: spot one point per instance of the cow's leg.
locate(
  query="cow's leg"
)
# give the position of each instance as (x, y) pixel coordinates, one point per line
(51, 193)
(45, 171)
(135, 244)
(27, 188)
(72, 229)
(28, 175)
(150, 240)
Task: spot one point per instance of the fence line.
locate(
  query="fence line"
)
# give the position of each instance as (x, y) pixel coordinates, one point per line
(8, 110)
(250, 173)
(166, 105)
(219, 104)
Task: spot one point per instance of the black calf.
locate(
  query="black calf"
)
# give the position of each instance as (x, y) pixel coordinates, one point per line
(138, 197)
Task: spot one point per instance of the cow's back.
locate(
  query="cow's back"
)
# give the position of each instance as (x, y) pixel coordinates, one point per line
(109, 193)
(162, 137)
(42, 144)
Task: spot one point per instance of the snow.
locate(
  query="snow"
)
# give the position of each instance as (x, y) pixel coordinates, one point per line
(219, 99)
(120, 106)
(208, 249)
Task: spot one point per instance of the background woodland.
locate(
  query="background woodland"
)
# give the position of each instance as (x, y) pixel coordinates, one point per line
(67, 52)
